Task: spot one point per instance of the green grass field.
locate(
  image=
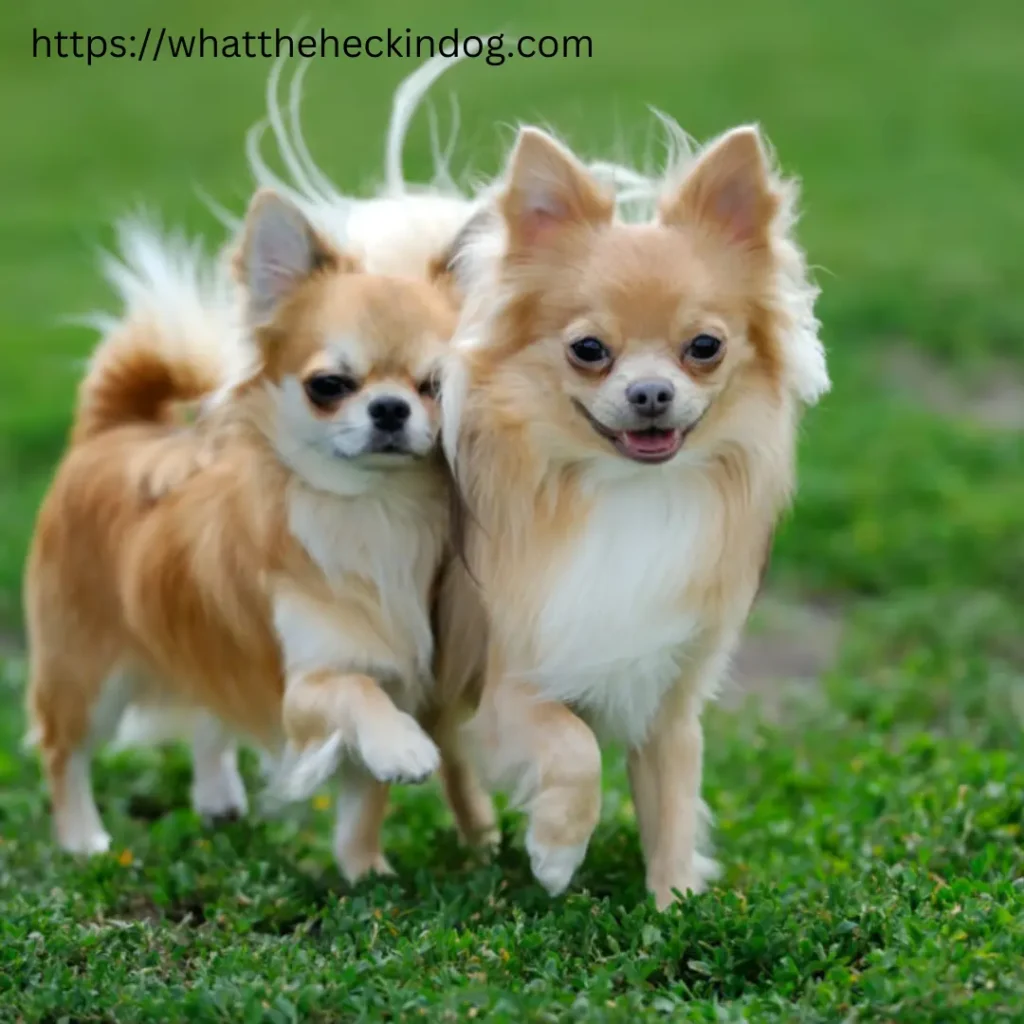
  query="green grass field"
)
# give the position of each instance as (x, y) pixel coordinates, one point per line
(869, 822)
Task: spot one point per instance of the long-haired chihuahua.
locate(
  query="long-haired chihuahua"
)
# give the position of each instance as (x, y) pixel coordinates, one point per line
(272, 564)
(621, 416)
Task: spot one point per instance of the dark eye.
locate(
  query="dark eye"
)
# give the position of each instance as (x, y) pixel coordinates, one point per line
(325, 388)
(589, 352)
(430, 387)
(703, 349)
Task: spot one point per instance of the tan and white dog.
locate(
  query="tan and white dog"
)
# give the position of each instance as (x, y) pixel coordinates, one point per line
(621, 418)
(273, 564)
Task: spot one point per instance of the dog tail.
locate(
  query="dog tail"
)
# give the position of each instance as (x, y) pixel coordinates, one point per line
(405, 229)
(177, 340)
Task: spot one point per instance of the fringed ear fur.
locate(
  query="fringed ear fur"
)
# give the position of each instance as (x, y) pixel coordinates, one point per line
(729, 190)
(547, 191)
(280, 250)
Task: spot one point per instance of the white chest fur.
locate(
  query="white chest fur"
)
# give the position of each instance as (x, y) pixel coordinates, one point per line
(391, 536)
(613, 631)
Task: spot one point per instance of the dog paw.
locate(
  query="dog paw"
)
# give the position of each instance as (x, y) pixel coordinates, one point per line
(85, 844)
(667, 889)
(554, 866)
(220, 798)
(354, 868)
(485, 843)
(398, 751)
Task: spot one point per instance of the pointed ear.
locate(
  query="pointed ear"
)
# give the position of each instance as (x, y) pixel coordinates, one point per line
(729, 189)
(547, 191)
(279, 251)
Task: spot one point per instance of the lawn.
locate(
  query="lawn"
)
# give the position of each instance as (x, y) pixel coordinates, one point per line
(867, 779)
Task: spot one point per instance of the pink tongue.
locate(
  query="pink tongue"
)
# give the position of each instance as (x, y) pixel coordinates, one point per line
(651, 442)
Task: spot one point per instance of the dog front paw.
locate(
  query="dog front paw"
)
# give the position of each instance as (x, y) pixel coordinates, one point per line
(398, 750)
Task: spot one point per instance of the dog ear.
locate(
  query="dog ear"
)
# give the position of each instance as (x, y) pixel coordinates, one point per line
(729, 189)
(548, 191)
(279, 251)
(449, 270)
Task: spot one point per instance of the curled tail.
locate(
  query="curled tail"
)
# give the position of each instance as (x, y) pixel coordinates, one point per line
(177, 340)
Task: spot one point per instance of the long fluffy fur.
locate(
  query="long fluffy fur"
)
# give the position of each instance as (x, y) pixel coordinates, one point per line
(562, 537)
(399, 231)
(260, 565)
(179, 336)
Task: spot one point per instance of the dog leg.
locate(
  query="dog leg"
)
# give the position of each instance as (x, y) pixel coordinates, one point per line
(665, 776)
(359, 817)
(218, 792)
(328, 715)
(550, 762)
(76, 718)
(471, 805)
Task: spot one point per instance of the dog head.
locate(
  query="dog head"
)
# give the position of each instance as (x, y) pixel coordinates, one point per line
(350, 360)
(611, 340)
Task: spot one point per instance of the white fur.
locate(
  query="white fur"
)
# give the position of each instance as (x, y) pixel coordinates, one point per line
(304, 445)
(398, 750)
(611, 637)
(166, 280)
(79, 828)
(311, 642)
(322, 451)
(145, 725)
(397, 233)
(401, 543)
(217, 787)
(297, 774)
(554, 866)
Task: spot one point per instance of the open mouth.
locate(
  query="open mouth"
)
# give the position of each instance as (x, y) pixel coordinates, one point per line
(651, 445)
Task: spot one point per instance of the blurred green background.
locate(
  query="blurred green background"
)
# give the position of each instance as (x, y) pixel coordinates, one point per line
(867, 794)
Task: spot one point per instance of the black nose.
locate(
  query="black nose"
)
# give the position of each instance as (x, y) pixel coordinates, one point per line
(389, 413)
(650, 397)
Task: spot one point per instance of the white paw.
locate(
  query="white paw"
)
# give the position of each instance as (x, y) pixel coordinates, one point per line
(220, 796)
(86, 844)
(398, 750)
(706, 869)
(554, 866)
(355, 868)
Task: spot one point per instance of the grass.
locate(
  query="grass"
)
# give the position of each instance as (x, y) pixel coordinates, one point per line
(870, 828)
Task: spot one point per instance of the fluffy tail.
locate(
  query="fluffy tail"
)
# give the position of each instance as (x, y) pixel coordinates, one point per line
(405, 227)
(177, 340)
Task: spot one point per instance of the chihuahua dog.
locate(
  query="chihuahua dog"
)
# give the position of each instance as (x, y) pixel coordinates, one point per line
(272, 564)
(621, 417)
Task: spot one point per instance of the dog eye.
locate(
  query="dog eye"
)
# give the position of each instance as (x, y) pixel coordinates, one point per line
(325, 388)
(589, 351)
(703, 349)
(430, 387)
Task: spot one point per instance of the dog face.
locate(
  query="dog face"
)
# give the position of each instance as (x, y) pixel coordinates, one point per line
(351, 361)
(634, 342)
